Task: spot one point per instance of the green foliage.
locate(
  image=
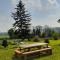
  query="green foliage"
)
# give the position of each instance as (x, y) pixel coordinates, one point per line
(43, 35)
(12, 43)
(22, 19)
(36, 31)
(55, 36)
(46, 40)
(11, 33)
(58, 21)
(5, 43)
(47, 31)
(36, 39)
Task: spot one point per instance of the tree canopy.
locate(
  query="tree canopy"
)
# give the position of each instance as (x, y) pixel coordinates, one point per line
(22, 21)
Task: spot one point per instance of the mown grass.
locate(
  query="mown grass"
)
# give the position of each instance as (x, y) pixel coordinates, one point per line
(7, 53)
(55, 44)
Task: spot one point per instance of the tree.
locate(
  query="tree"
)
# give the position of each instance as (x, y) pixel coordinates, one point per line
(38, 30)
(22, 19)
(43, 35)
(46, 40)
(55, 35)
(11, 33)
(58, 21)
(33, 32)
(47, 31)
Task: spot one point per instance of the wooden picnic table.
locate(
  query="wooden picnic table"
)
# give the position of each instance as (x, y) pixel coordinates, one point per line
(22, 50)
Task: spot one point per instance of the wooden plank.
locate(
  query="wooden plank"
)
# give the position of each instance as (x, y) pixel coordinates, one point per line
(32, 45)
(41, 50)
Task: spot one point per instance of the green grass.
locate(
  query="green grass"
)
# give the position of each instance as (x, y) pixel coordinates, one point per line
(4, 36)
(7, 53)
(55, 44)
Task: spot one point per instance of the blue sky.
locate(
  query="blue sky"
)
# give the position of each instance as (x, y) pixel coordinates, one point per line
(43, 12)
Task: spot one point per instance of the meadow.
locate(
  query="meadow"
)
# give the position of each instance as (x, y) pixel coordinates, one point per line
(7, 53)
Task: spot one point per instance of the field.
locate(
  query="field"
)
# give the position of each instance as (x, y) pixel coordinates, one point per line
(7, 53)
(56, 51)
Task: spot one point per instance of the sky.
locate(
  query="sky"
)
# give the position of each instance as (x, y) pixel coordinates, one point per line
(43, 12)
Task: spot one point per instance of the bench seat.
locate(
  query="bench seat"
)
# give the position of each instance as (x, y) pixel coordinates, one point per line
(47, 50)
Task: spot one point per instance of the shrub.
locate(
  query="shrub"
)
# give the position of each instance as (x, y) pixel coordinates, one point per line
(5, 43)
(46, 41)
(36, 39)
(55, 38)
(12, 43)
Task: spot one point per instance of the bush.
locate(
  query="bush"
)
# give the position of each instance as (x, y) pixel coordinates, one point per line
(12, 43)
(46, 41)
(36, 39)
(5, 43)
(55, 38)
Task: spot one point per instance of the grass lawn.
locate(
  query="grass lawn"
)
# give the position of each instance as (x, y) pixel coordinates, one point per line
(7, 53)
(55, 44)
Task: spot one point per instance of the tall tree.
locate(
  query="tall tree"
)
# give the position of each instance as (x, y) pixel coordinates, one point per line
(38, 30)
(58, 21)
(34, 32)
(22, 21)
(48, 31)
(11, 33)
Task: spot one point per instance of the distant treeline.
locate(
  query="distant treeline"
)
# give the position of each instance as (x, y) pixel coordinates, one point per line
(4, 35)
(40, 31)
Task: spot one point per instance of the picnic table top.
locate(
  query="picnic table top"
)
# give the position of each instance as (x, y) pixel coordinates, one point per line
(32, 45)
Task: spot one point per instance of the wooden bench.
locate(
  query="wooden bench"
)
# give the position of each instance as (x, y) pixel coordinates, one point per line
(31, 52)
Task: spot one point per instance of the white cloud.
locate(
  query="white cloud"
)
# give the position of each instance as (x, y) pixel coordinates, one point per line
(53, 3)
(51, 21)
(40, 5)
(37, 4)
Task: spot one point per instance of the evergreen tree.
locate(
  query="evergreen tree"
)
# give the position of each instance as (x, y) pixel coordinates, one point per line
(33, 32)
(22, 19)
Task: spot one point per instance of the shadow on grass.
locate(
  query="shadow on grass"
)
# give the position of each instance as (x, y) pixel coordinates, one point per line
(16, 58)
(29, 58)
